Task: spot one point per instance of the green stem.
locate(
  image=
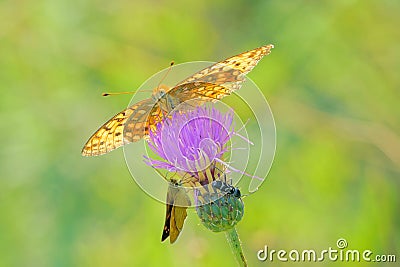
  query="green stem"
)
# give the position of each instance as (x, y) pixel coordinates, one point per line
(236, 246)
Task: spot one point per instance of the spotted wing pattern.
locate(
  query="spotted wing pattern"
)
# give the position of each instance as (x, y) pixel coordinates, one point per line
(128, 126)
(209, 84)
(188, 96)
(231, 72)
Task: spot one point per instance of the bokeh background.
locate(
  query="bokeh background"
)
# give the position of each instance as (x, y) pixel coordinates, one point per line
(332, 82)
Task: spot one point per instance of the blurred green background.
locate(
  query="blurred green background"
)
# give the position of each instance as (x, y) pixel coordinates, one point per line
(332, 82)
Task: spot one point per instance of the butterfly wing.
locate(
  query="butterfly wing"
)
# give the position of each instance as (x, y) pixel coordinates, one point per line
(129, 125)
(188, 96)
(218, 80)
(231, 71)
(177, 219)
(167, 224)
(210, 84)
(203, 91)
(177, 203)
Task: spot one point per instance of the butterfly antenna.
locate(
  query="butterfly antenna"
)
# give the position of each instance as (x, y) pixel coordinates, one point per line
(125, 93)
(166, 74)
(119, 93)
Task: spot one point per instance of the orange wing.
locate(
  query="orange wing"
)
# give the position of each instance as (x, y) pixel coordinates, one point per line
(230, 72)
(194, 94)
(130, 125)
(210, 84)
(187, 97)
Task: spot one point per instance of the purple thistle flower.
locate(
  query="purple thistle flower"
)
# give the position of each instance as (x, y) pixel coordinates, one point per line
(191, 142)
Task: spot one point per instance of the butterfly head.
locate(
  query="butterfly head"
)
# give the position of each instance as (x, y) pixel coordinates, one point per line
(160, 91)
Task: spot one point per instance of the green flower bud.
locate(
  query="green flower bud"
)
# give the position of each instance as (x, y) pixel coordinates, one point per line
(220, 210)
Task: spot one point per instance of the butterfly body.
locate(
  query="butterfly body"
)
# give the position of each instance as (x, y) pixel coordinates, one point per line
(165, 101)
(208, 85)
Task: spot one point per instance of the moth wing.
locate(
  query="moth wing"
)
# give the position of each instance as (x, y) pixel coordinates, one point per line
(176, 213)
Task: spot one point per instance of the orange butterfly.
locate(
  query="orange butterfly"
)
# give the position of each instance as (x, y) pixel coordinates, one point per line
(134, 123)
(207, 85)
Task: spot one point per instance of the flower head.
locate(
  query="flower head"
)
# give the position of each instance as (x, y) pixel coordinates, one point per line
(191, 142)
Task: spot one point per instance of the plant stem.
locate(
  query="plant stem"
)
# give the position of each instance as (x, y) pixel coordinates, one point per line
(236, 246)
